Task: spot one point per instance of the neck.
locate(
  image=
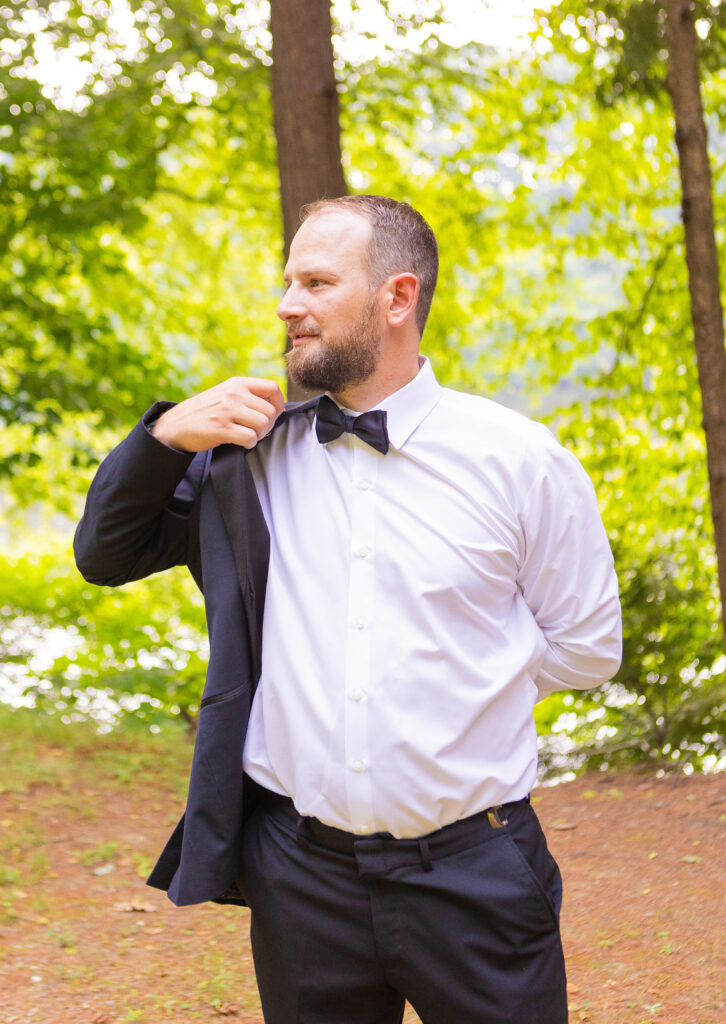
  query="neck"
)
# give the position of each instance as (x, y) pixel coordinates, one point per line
(370, 393)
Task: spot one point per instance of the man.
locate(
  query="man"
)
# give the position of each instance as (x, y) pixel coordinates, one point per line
(437, 564)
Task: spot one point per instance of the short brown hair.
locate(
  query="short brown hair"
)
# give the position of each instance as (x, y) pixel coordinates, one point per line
(402, 242)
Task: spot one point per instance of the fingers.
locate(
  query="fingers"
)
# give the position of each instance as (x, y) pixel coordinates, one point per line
(243, 437)
(268, 390)
(260, 413)
(253, 402)
(241, 410)
(257, 423)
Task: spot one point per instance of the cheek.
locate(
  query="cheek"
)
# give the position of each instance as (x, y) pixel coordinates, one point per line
(332, 323)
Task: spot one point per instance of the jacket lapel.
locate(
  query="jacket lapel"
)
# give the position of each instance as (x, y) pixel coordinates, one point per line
(248, 535)
(244, 522)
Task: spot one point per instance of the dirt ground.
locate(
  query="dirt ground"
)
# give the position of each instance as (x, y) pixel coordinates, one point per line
(83, 941)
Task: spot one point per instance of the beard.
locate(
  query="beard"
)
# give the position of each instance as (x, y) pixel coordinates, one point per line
(336, 363)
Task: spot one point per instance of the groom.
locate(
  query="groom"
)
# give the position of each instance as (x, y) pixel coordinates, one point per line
(393, 576)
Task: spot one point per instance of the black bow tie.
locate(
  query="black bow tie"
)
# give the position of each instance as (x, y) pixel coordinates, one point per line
(331, 422)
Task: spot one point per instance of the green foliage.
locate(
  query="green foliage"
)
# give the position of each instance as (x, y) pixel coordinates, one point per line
(98, 854)
(638, 427)
(619, 45)
(60, 747)
(82, 321)
(143, 247)
(665, 706)
(145, 646)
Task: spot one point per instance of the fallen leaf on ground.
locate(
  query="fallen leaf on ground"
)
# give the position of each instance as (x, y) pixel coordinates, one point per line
(135, 907)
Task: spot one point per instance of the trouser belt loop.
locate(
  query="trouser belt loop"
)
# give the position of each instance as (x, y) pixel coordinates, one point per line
(425, 852)
(302, 836)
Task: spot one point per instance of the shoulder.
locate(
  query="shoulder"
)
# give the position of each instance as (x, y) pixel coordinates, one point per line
(489, 423)
(498, 443)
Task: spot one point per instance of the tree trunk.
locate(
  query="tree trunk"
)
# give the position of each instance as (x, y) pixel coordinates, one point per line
(701, 256)
(305, 102)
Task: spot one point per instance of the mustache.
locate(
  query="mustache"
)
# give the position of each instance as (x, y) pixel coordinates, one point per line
(308, 328)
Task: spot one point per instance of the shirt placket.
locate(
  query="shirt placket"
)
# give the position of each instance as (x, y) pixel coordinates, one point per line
(360, 636)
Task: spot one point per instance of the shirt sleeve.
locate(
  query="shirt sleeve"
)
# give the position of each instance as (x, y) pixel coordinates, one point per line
(567, 577)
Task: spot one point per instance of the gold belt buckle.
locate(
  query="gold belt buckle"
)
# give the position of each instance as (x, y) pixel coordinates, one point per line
(494, 818)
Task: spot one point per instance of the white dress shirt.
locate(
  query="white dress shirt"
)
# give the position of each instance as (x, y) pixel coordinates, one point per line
(418, 605)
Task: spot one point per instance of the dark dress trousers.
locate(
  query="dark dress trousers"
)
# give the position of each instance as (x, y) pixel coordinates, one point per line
(150, 508)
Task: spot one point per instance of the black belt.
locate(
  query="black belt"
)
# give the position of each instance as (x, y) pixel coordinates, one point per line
(459, 835)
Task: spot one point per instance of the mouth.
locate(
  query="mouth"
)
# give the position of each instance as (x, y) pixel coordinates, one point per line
(298, 338)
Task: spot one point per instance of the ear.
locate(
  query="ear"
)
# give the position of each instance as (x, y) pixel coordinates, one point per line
(401, 296)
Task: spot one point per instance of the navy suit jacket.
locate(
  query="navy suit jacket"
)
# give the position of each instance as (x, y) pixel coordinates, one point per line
(150, 508)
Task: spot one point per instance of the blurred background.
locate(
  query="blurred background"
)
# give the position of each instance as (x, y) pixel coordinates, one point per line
(152, 161)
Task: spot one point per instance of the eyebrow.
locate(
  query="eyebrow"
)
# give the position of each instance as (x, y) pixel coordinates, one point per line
(319, 272)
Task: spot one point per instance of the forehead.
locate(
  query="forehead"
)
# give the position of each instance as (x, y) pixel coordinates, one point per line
(337, 237)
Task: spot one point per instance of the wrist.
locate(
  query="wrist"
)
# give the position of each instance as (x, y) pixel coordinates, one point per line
(159, 429)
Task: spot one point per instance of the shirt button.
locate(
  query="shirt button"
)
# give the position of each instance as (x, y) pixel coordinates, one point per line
(358, 766)
(357, 694)
(363, 827)
(360, 623)
(363, 552)
(365, 485)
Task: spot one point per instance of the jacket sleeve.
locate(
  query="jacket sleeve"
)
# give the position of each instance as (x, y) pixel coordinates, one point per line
(136, 519)
(568, 579)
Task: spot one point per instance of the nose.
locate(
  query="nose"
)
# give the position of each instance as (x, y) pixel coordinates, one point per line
(292, 306)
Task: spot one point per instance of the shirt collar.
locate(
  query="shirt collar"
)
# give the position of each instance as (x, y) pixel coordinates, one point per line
(407, 408)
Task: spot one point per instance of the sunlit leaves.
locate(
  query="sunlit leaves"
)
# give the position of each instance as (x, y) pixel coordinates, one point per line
(639, 430)
(75, 638)
(142, 259)
(619, 45)
(76, 175)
